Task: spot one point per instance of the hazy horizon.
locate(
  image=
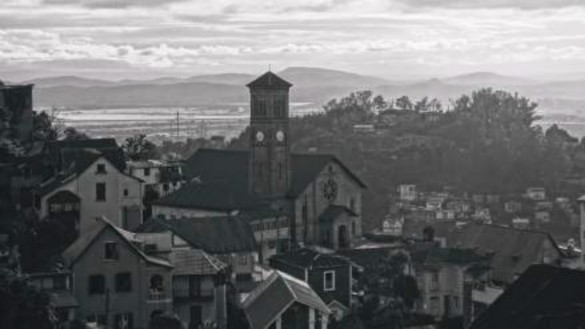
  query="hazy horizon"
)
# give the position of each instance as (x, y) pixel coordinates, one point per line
(391, 39)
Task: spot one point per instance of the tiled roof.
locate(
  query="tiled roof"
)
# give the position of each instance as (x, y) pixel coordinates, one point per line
(195, 262)
(78, 248)
(334, 211)
(543, 296)
(513, 250)
(311, 259)
(275, 295)
(431, 256)
(215, 235)
(219, 179)
(269, 80)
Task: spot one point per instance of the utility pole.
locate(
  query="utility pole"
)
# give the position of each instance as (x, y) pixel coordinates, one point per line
(107, 311)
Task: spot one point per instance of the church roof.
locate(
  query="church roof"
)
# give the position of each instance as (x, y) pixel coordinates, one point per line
(269, 80)
(219, 179)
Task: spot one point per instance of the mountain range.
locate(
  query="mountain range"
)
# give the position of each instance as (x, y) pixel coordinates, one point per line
(311, 85)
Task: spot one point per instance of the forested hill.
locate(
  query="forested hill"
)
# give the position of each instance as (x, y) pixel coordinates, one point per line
(486, 143)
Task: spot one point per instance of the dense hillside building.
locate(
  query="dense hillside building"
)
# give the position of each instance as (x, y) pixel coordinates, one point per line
(317, 194)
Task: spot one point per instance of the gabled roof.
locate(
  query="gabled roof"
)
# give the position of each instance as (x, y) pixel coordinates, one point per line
(77, 166)
(275, 295)
(513, 250)
(78, 248)
(334, 211)
(430, 256)
(195, 262)
(215, 235)
(543, 296)
(269, 80)
(219, 179)
(309, 259)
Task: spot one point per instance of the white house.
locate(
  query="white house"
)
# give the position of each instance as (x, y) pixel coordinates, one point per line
(91, 187)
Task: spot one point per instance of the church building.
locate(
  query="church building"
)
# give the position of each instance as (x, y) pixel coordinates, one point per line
(290, 199)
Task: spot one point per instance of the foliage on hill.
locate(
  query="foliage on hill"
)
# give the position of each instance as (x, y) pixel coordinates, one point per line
(486, 143)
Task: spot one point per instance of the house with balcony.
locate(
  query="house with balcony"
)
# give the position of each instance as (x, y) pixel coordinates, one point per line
(161, 177)
(91, 185)
(115, 281)
(229, 239)
(59, 287)
(440, 274)
(199, 288)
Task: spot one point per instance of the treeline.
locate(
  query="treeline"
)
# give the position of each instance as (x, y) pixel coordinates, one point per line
(486, 142)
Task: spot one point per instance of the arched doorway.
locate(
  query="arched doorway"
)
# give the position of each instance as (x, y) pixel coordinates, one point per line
(342, 237)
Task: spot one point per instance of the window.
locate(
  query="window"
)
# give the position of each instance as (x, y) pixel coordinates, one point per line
(352, 204)
(243, 259)
(123, 321)
(156, 283)
(125, 217)
(329, 280)
(123, 282)
(60, 283)
(280, 176)
(126, 192)
(96, 284)
(435, 304)
(165, 187)
(101, 168)
(353, 228)
(100, 191)
(111, 251)
(434, 280)
(146, 171)
(99, 318)
(55, 207)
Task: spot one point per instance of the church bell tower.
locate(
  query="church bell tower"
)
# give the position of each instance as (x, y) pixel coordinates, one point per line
(269, 166)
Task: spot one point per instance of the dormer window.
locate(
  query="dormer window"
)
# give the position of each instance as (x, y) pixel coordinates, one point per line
(146, 171)
(101, 168)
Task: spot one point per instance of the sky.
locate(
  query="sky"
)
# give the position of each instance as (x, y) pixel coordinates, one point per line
(393, 39)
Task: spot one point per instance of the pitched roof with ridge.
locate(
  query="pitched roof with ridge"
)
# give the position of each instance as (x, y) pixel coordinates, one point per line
(269, 80)
(513, 250)
(78, 248)
(219, 179)
(544, 296)
(215, 235)
(195, 261)
(275, 295)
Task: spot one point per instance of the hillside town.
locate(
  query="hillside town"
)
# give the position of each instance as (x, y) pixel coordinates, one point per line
(266, 237)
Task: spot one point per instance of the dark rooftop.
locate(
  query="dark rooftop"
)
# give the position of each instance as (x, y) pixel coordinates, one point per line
(544, 296)
(269, 80)
(219, 179)
(310, 259)
(215, 235)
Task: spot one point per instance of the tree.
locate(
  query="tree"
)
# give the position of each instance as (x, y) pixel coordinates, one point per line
(73, 134)
(21, 305)
(422, 105)
(404, 103)
(138, 148)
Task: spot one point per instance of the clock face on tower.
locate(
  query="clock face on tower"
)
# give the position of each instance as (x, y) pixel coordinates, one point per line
(330, 190)
(280, 136)
(259, 136)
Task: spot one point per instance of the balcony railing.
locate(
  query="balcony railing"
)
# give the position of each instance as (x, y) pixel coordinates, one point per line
(188, 294)
(155, 295)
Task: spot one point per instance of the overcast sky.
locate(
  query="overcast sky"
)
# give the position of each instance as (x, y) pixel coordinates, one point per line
(395, 39)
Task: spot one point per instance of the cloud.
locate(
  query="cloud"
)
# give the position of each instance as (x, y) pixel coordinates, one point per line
(111, 4)
(476, 4)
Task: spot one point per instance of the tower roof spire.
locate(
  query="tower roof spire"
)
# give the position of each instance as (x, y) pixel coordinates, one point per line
(270, 80)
